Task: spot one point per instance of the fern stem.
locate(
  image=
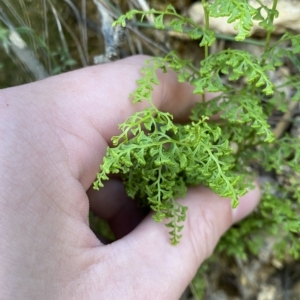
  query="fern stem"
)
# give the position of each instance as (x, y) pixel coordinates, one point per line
(269, 33)
(206, 16)
(219, 36)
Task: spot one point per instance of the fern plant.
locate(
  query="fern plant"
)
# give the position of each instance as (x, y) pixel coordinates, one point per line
(157, 159)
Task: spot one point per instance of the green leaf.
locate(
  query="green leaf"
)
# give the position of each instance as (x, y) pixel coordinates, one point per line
(195, 33)
(159, 22)
(183, 161)
(239, 11)
(170, 9)
(208, 38)
(158, 159)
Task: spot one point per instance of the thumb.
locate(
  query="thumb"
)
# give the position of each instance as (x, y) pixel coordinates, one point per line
(209, 216)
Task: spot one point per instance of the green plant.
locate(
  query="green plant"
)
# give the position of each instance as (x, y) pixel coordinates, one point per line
(157, 159)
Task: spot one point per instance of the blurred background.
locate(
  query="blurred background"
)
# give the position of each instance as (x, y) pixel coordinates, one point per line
(40, 38)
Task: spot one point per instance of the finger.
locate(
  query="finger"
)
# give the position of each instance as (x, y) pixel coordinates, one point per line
(83, 108)
(109, 200)
(113, 205)
(92, 102)
(102, 93)
(209, 216)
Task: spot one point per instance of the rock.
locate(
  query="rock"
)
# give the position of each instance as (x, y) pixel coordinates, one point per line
(289, 12)
(268, 292)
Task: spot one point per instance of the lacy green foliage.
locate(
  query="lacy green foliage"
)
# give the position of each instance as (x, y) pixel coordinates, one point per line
(277, 216)
(157, 159)
(278, 212)
(171, 60)
(283, 153)
(266, 22)
(235, 64)
(238, 109)
(176, 23)
(170, 157)
(275, 54)
(238, 11)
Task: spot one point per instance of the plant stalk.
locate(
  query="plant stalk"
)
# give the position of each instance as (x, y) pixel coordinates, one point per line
(206, 16)
(269, 33)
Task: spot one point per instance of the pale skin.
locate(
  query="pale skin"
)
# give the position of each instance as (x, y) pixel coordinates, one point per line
(54, 134)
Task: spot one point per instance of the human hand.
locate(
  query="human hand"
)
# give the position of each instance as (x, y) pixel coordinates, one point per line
(54, 134)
